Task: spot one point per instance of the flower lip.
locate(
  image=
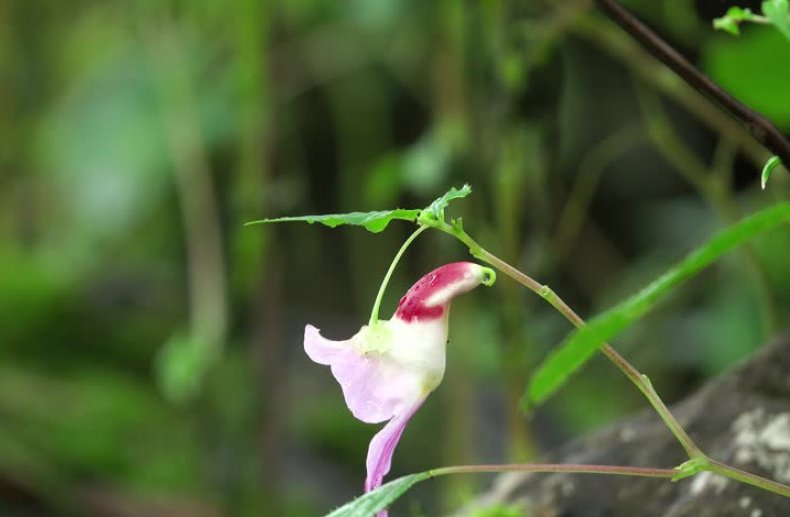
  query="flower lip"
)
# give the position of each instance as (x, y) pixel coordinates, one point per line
(429, 297)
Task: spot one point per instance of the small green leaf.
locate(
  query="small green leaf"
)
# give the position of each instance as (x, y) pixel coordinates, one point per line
(372, 221)
(769, 167)
(729, 22)
(726, 24)
(435, 210)
(372, 502)
(778, 11)
(739, 14)
(580, 346)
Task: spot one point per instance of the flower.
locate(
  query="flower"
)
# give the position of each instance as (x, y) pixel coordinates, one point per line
(388, 369)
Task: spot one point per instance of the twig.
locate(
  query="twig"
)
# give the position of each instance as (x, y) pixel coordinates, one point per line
(638, 379)
(761, 129)
(698, 460)
(549, 468)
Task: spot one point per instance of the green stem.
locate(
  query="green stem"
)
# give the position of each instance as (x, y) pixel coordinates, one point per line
(748, 478)
(756, 18)
(554, 468)
(641, 381)
(374, 315)
(698, 460)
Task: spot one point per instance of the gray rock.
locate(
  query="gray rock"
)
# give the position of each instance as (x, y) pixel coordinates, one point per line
(741, 418)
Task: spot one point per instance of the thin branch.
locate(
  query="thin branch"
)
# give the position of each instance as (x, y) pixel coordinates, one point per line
(747, 477)
(548, 468)
(638, 379)
(698, 461)
(762, 129)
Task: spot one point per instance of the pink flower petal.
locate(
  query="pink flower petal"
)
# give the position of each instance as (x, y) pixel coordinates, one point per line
(375, 386)
(429, 298)
(388, 369)
(322, 350)
(382, 447)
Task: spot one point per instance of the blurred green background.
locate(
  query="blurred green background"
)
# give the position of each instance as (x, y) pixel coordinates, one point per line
(151, 360)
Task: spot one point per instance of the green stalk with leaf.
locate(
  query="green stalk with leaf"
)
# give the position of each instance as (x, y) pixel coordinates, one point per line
(576, 350)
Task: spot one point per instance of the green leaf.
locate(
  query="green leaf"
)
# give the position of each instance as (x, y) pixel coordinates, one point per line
(739, 14)
(769, 167)
(382, 497)
(750, 69)
(583, 343)
(372, 221)
(778, 11)
(729, 22)
(436, 209)
(377, 221)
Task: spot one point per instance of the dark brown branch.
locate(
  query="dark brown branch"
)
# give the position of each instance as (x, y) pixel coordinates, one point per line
(762, 129)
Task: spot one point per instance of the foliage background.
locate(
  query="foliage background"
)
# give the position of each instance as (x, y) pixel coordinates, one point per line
(150, 345)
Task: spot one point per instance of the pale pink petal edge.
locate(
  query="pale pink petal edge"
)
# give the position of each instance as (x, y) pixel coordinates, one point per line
(374, 389)
(382, 447)
(322, 350)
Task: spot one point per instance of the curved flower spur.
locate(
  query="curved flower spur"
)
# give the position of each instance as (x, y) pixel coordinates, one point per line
(388, 368)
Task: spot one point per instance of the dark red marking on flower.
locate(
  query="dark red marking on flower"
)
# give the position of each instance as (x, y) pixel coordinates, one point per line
(412, 305)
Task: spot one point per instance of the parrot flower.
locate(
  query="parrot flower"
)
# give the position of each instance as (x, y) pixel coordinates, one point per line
(388, 368)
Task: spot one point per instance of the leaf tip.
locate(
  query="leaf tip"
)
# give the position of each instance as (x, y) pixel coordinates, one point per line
(528, 402)
(527, 407)
(768, 169)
